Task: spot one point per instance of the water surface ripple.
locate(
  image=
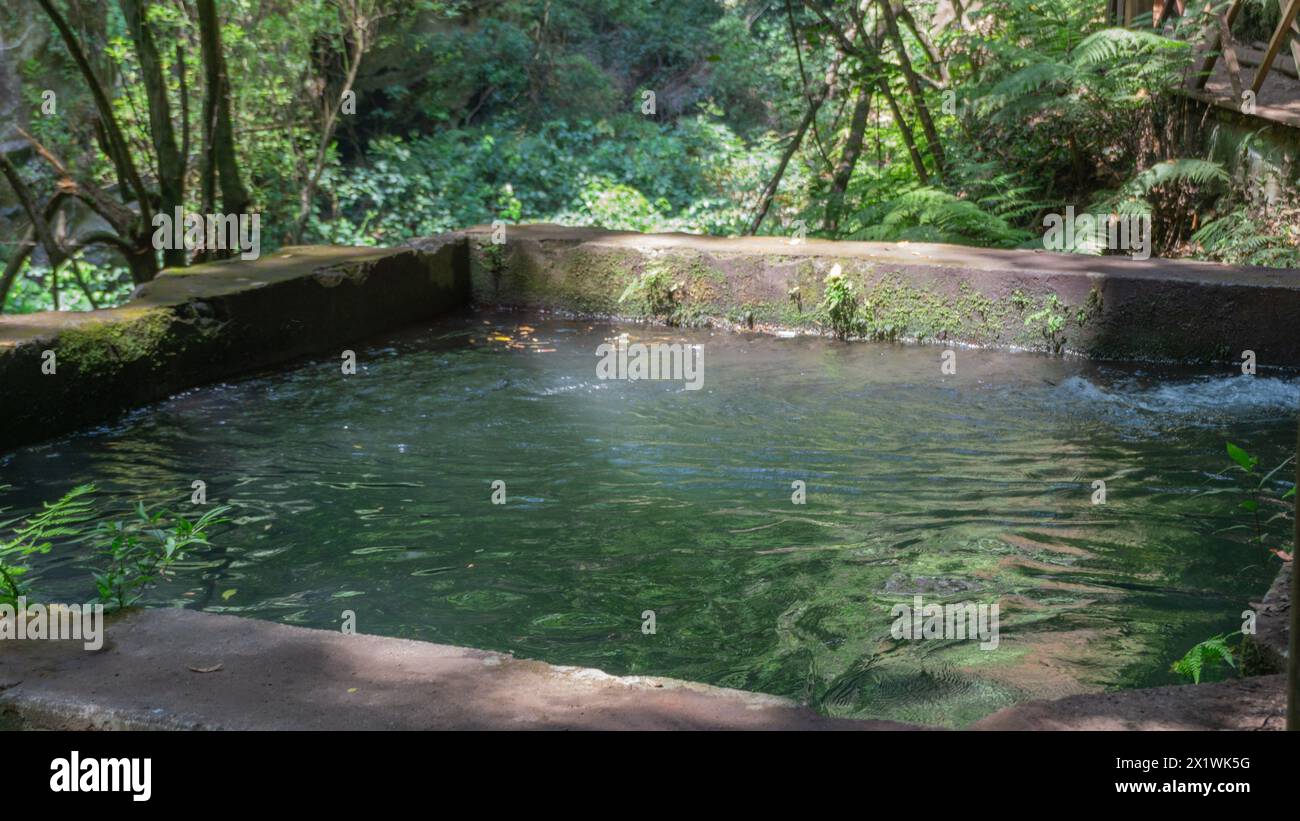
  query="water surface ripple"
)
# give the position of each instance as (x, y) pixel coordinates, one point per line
(371, 493)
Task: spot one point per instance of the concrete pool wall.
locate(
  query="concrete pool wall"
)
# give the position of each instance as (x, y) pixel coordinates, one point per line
(1108, 307)
(193, 326)
(206, 323)
(217, 321)
(170, 669)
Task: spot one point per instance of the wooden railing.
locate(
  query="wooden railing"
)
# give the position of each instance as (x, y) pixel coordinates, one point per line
(1215, 39)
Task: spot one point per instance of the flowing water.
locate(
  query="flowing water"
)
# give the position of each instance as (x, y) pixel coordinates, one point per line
(373, 493)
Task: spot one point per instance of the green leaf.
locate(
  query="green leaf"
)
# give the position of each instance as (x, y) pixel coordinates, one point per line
(1242, 458)
(1206, 654)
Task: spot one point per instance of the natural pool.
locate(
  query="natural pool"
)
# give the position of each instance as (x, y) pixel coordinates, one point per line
(372, 493)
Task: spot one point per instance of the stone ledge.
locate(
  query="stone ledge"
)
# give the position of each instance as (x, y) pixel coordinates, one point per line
(1256, 703)
(1267, 650)
(1106, 307)
(210, 322)
(279, 677)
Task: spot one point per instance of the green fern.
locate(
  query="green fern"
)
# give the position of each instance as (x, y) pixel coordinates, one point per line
(1236, 238)
(1108, 46)
(932, 215)
(1207, 654)
(1184, 170)
(1133, 198)
(63, 518)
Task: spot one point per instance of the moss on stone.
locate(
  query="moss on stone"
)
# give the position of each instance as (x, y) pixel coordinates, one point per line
(107, 346)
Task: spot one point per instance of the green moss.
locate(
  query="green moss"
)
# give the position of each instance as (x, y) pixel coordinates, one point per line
(109, 345)
(690, 288)
(894, 309)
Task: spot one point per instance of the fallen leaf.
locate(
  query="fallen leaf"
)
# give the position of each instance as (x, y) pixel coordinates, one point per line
(352, 689)
(214, 668)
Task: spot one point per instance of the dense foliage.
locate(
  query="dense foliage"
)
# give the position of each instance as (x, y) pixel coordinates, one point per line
(373, 121)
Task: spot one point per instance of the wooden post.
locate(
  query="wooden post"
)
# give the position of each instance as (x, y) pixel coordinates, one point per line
(1275, 44)
(1166, 10)
(1216, 41)
(1295, 36)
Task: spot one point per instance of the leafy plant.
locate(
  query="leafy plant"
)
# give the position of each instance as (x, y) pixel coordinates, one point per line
(931, 215)
(62, 518)
(654, 290)
(1258, 492)
(140, 553)
(1050, 320)
(840, 304)
(1208, 654)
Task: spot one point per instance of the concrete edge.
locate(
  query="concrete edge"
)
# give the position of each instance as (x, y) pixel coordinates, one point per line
(1099, 307)
(172, 669)
(211, 322)
(1266, 651)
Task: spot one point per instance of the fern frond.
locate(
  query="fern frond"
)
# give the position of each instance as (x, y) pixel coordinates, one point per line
(1028, 80)
(1186, 169)
(1108, 45)
(62, 518)
(1206, 654)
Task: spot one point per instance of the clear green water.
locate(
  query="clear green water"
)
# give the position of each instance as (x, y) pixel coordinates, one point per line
(371, 493)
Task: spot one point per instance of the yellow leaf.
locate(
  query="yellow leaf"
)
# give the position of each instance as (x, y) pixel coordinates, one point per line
(226, 595)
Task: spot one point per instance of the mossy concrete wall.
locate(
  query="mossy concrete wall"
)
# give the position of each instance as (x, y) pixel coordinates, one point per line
(1101, 307)
(210, 322)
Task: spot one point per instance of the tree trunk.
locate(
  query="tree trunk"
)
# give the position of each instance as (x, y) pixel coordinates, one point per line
(134, 232)
(914, 87)
(220, 164)
(40, 228)
(22, 251)
(360, 44)
(927, 43)
(115, 145)
(918, 162)
(171, 168)
(848, 161)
